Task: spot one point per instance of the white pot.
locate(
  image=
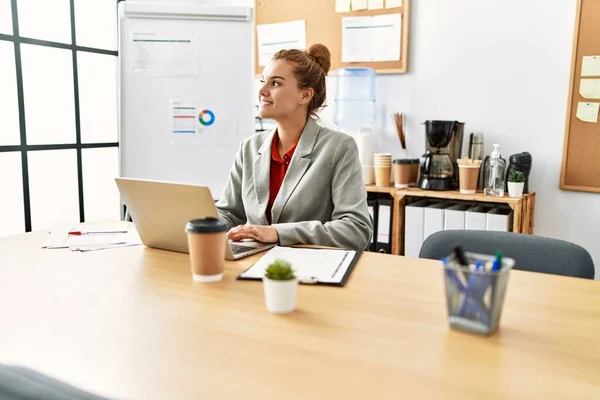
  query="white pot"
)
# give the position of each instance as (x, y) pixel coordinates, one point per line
(515, 189)
(280, 296)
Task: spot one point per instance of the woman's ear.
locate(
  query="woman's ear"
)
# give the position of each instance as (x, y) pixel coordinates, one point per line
(307, 95)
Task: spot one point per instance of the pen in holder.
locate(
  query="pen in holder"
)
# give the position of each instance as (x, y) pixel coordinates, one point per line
(475, 288)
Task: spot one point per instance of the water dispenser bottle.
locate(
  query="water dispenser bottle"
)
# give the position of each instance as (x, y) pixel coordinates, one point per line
(354, 99)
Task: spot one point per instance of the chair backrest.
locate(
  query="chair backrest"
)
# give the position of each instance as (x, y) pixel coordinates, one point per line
(530, 252)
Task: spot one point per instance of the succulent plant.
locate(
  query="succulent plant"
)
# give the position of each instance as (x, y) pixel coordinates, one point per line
(280, 270)
(516, 176)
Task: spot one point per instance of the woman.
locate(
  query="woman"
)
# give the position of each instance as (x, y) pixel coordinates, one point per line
(299, 183)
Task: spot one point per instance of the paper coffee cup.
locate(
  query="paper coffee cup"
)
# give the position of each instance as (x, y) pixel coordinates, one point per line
(206, 243)
(467, 178)
(382, 175)
(402, 173)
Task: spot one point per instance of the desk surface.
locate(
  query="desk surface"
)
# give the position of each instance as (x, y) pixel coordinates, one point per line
(130, 323)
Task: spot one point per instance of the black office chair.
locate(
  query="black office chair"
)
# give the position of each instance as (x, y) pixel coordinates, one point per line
(19, 383)
(530, 252)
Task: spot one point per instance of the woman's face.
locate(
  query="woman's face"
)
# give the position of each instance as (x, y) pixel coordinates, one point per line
(279, 96)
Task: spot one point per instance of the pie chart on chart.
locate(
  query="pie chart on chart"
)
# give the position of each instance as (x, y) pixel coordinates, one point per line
(206, 117)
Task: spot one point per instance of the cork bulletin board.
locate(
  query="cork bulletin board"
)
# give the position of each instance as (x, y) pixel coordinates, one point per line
(324, 25)
(580, 169)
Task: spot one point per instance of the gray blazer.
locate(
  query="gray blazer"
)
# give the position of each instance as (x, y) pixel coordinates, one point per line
(322, 200)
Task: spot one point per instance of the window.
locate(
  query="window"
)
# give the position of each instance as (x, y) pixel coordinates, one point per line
(9, 123)
(53, 188)
(11, 212)
(5, 17)
(96, 23)
(49, 103)
(45, 20)
(58, 96)
(97, 91)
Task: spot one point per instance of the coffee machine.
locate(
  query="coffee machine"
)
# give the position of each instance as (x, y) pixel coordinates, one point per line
(438, 166)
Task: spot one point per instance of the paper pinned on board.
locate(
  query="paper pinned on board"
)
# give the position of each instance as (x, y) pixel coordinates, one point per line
(279, 36)
(588, 111)
(590, 88)
(591, 66)
(371, 38)
(157, 53)
(342, 6)
(375, 4)
(393, 3)
(358, 5)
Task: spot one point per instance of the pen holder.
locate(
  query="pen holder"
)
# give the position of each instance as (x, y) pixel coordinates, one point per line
(475, 297)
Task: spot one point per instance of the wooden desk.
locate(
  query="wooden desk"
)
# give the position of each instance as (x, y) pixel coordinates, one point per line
(130, 323)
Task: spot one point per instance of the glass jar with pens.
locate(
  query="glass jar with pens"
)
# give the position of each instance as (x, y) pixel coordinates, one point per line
(475, 289)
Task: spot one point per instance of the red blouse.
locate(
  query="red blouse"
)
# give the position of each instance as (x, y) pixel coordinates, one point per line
(279, 167)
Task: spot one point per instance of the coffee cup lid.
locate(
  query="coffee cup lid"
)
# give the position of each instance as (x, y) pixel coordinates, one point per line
(406, 161)
(206, 225)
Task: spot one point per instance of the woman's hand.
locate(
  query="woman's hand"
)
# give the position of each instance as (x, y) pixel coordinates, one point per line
(261, 233)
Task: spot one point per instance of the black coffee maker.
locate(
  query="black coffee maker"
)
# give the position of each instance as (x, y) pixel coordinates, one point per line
(438, 166)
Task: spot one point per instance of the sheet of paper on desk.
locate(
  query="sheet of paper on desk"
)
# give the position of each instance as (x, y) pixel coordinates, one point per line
(326, 265)
(283, 35)
(60, 239)
(372, 38)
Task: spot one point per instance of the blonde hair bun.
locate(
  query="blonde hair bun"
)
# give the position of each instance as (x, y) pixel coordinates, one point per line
(320, 53)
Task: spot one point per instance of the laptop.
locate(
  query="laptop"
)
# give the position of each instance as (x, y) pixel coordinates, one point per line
(160, 210)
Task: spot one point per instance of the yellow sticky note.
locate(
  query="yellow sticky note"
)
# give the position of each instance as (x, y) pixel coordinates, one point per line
(591, 66)
(393, 3)
(588, 111)
(375, 4)
(359, 5)
(590, 88)
(342, 6)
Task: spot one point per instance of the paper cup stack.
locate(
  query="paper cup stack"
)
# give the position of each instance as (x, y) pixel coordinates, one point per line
(383, 168)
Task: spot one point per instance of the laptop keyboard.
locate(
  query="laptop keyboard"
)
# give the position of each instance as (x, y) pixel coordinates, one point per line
(237, 249)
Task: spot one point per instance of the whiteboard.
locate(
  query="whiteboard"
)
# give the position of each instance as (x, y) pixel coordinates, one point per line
(186, 95)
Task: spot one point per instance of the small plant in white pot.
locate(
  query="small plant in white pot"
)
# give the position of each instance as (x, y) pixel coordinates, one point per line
(281, 287)
(515, 184)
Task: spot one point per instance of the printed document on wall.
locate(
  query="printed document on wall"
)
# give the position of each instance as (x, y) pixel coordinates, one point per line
(588, 111)
(590, 66)
(590, 88)
(275, 37)
(164, 54)
(372, 38)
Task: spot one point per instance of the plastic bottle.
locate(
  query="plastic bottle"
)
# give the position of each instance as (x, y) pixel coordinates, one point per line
(354, 99)
(494, 181)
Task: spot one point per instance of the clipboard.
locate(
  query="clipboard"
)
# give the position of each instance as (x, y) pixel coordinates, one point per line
(309, 266)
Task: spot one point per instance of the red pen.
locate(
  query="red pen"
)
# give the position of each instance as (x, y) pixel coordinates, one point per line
(78, 233)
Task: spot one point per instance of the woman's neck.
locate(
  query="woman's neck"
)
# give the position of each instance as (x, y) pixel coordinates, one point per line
(289, 132)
